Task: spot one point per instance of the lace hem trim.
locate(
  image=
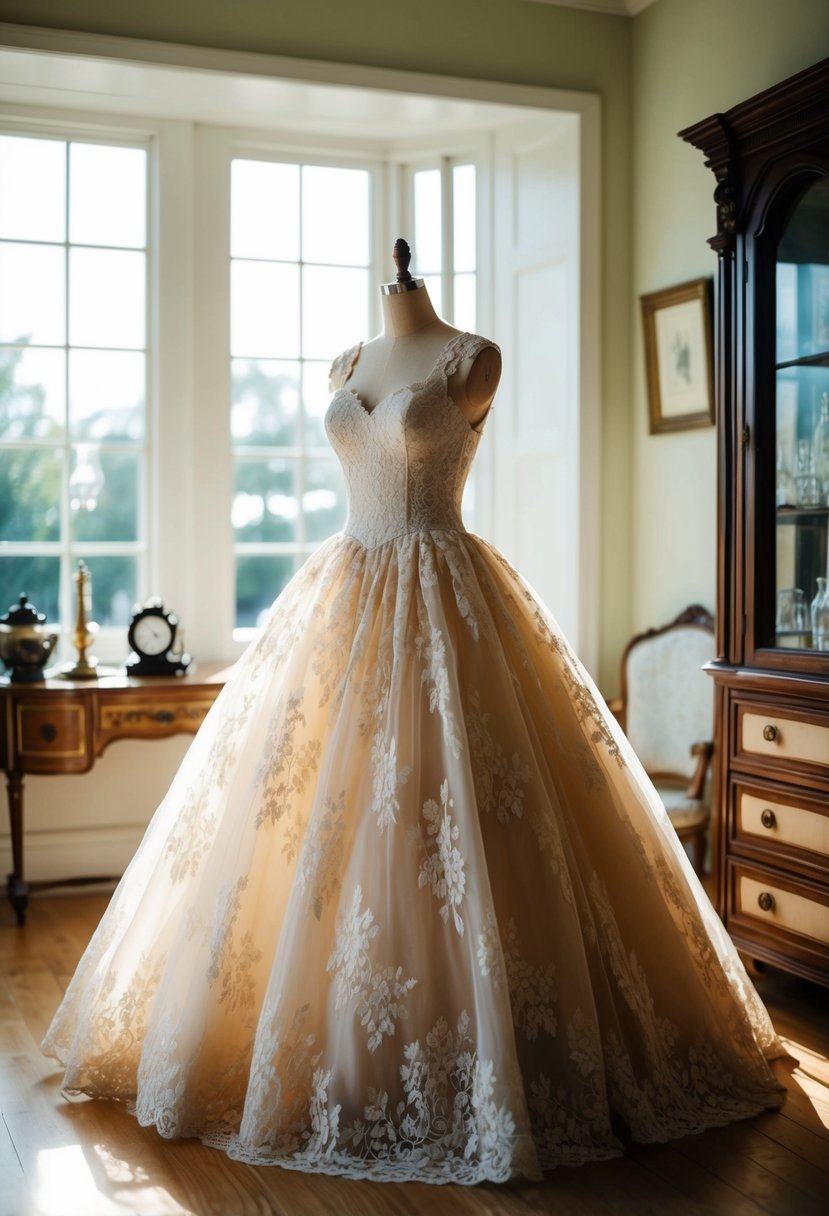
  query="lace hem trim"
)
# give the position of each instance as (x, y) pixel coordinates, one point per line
(450, 1168)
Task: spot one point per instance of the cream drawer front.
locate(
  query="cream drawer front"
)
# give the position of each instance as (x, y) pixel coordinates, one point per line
(773, 735)
(796, 913)
(776, 821)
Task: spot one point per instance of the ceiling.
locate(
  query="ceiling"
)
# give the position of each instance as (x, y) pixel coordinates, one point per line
(101, 83)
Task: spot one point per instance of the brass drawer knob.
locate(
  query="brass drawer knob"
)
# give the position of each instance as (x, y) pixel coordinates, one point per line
(768, 818)
(766, 901)
(769, 733)
(49, 732)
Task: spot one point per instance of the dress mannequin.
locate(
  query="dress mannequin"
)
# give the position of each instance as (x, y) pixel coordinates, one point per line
(412, 339)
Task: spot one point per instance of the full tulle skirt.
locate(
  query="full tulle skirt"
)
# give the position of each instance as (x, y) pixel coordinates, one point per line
(411, 909)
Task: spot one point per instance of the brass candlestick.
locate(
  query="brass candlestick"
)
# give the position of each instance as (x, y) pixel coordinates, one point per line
(85, 630)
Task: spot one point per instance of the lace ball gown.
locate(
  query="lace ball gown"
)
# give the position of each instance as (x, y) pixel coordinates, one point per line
(411, 908)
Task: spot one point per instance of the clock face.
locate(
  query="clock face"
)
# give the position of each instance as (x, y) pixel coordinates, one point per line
(152, 635)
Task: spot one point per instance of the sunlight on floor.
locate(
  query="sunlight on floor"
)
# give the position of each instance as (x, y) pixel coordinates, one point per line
(67, 1186)
(810, 1076)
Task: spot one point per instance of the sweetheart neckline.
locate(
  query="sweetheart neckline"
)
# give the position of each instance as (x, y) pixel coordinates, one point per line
(437, 366)
(456, 409)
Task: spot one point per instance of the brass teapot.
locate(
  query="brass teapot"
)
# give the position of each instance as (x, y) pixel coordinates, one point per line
(26, 644)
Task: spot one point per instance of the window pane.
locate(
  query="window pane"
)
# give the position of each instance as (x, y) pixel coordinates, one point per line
(265, 503)
(427, 252)
(114, 591)
(265, 403)
(107, 195)
(315, 398)
(32, 189)
(463, 217)
(37, 577)
(465, 302)
(115, 515)
(324, 499)
(335, 215)
(32, 291)
(327, 326)
(259, 581)
(31, 481)
(32, 393)
(264, 210)
(264, 310)
(106, 395)
(106, 298)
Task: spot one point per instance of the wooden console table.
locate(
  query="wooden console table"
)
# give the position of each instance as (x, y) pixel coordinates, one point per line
(63, 726)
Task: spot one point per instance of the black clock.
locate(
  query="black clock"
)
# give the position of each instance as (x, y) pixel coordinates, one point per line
(152, 637)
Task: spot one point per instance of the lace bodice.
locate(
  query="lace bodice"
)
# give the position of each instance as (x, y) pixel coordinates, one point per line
(405, 461)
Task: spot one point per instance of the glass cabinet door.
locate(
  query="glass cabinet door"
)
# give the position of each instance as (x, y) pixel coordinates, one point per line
(802, 425)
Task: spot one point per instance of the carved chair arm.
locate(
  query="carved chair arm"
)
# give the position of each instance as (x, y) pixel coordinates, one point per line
(617, 707)
(703, 753)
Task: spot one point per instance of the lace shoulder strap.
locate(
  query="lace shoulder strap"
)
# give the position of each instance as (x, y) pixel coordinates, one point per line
(463, 347)
(343, 366)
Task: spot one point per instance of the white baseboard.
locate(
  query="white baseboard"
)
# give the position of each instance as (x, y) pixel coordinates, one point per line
(56, 853)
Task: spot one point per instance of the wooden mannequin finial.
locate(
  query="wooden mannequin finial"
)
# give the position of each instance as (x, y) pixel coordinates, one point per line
(402, 255)
(404, 282)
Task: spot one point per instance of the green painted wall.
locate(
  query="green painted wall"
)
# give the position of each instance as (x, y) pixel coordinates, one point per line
(512, 41)
(690, 60)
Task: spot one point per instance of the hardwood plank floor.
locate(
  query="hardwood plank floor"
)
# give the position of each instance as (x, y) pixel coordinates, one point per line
(60, 1158)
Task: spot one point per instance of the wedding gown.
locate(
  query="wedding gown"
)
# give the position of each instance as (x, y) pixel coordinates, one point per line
(411, 908)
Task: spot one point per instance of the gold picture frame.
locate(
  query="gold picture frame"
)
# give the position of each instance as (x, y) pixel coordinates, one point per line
(678, 356)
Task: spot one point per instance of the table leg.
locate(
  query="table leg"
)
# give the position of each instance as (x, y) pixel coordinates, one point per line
(18, 890)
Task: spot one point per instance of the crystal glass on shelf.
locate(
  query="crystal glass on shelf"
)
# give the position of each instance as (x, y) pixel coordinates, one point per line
(820, 449)
(820, 617)
(792, 621)
(807, 484)
(784, 482)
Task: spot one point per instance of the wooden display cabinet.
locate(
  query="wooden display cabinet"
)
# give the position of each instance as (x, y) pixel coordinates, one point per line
(770, 158)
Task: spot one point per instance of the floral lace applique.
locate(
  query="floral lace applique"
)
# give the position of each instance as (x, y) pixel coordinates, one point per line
(443, 868)
(500, 781)
(386, 779)
(431, 650)
(231, 961)
(321, 858)
(286, 770)
(489, 953)
(532, 989)
(377, 994)
(448, 1112)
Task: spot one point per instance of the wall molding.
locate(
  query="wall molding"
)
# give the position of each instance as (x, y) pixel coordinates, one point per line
(617, 8)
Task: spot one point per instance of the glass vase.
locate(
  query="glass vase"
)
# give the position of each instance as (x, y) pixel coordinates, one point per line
(820, 617)
(820, 448)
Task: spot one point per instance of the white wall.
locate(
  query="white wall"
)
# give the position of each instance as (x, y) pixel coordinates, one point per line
(689, 60)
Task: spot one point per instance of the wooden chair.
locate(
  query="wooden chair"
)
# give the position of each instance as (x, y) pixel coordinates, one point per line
(667, 712)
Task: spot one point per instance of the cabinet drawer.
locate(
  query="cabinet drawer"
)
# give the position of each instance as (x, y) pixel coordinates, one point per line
(149, 718)
(51, 738)
(780, 905)
(780, 821)
(772, 737)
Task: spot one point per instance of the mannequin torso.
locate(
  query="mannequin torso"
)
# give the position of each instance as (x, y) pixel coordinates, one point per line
(406, 351)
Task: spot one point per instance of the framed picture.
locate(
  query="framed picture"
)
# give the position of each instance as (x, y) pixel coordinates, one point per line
(678, 356)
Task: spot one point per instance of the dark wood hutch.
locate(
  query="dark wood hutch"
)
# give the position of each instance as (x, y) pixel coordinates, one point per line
(770, 158)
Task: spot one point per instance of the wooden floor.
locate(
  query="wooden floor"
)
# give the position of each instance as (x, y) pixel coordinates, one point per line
(89, 1159)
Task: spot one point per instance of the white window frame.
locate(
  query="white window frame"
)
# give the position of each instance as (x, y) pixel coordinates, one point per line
(110, 642)
(188, 553)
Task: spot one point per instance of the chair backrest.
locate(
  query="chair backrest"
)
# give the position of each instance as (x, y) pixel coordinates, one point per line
(668, 700)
